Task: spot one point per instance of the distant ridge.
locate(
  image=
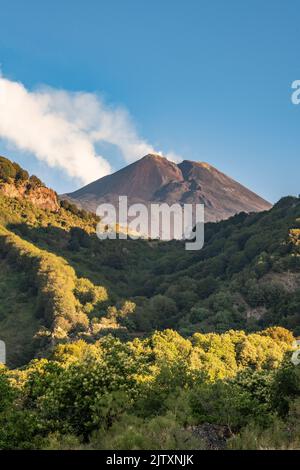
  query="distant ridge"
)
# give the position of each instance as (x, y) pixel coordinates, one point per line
(153, 178)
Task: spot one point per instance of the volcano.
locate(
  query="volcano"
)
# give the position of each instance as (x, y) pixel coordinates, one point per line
(154, 179)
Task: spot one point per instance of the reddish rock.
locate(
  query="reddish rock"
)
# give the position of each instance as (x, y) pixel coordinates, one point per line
(39, 196)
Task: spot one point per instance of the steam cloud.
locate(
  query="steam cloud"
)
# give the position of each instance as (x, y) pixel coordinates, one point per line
(62, 128)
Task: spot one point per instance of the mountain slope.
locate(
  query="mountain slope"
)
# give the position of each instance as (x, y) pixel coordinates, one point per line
(155, 179)
(59, 282)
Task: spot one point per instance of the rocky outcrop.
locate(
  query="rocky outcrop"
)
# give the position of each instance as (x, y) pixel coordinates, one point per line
(39, 196)
(213, 436)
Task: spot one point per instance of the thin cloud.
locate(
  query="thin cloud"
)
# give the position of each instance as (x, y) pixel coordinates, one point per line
(62, 128)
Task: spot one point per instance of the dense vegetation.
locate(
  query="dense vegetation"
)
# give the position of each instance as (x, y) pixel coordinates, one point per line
(246, 276)
(90, 326)
(156, 393)
(11, 172)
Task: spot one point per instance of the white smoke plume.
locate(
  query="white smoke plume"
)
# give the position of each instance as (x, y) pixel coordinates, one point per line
(62, 128)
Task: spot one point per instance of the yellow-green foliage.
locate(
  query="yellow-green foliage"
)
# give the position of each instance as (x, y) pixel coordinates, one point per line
(60, 293)
(295, 236)
(11, 171)
(221, 356)
(18, 211)
(143, 393)
(88, 294)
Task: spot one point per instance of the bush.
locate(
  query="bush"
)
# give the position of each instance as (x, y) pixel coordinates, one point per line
(7, 170)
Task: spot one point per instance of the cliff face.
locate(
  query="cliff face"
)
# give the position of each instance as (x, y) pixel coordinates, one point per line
(39, 196)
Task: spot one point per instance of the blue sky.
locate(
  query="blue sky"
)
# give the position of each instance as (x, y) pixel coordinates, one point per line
(208, 80)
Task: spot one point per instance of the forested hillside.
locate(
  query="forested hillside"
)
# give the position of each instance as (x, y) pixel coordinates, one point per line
(68, 283)
(139, 343)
